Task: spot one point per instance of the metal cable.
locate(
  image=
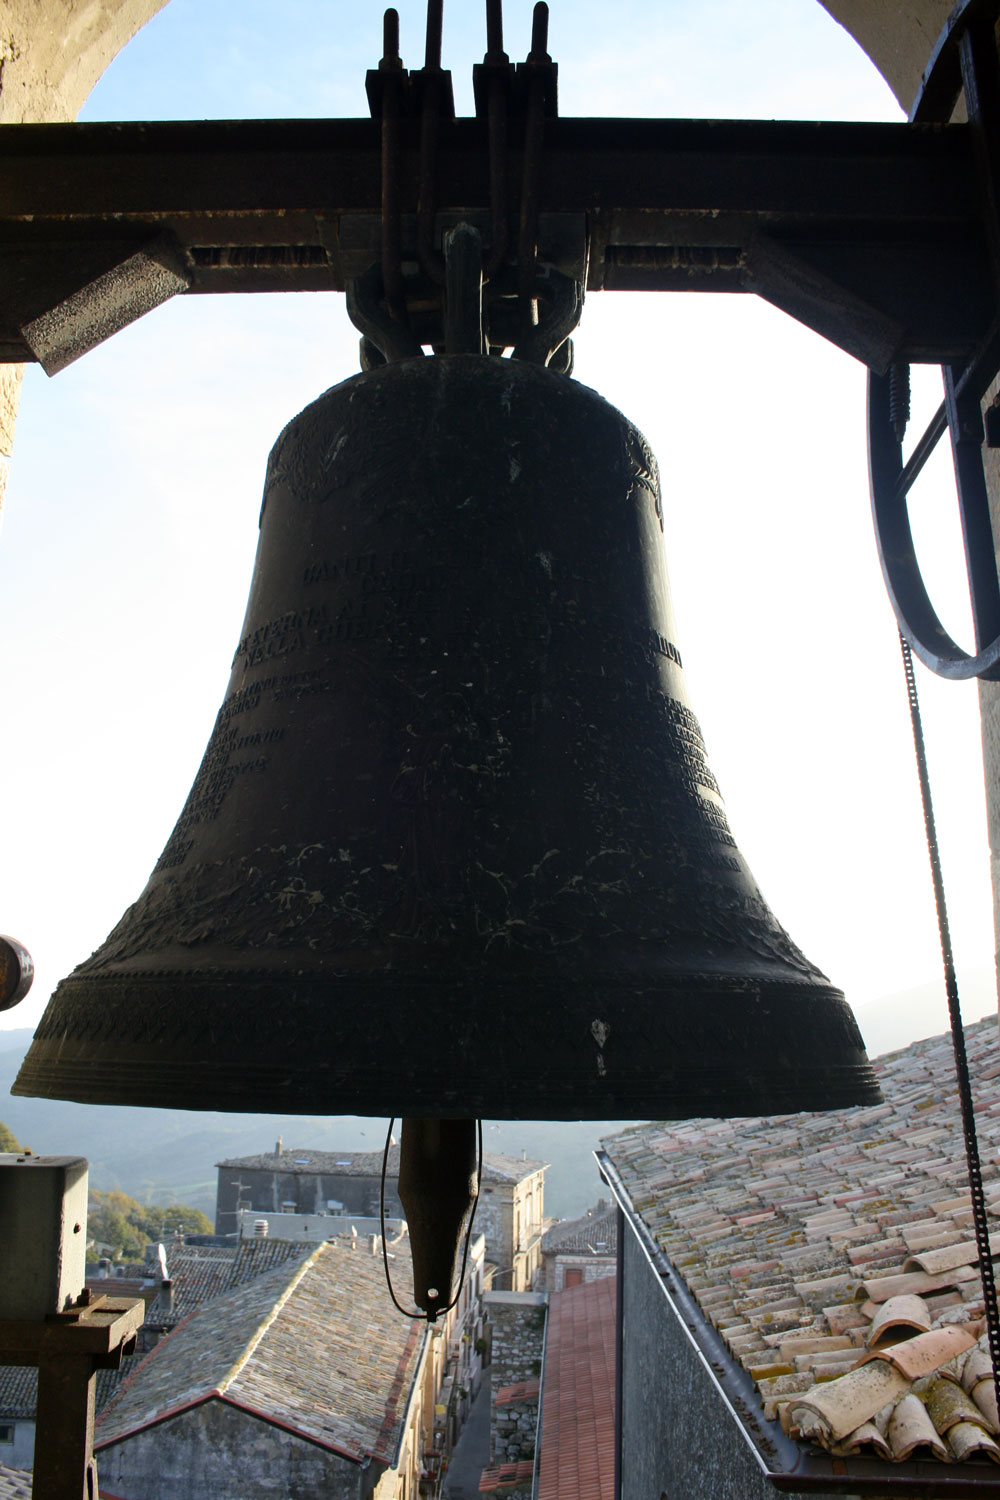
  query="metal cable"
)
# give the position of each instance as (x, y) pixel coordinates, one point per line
(981, 1227)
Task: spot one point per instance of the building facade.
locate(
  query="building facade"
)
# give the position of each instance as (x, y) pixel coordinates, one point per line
(302, 1381)
(579, 1251)
(343, 1185)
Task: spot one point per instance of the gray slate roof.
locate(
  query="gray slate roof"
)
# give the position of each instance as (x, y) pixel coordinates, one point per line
(313, 1346)
(15, 1484)
(18, 1387)
(303, 1161)
(834, 1253)
(595, 1233)
(199, 1272)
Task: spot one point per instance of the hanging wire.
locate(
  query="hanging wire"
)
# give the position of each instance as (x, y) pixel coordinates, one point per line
(415, 1312)
(980, 1224)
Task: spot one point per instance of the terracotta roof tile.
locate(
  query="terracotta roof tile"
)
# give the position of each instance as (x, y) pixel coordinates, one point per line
(795, 1232)
(577, 1449)
(505, 1475)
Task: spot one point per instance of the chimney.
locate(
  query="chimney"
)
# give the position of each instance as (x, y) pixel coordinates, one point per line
(167, 1295)
(156, 1261)
(260, 1229)
(278, 1147)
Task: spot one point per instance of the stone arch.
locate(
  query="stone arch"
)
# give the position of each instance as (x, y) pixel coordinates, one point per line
(898, 36)
(52, 52)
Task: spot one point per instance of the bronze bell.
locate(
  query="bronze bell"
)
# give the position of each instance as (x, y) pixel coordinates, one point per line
(454, 849)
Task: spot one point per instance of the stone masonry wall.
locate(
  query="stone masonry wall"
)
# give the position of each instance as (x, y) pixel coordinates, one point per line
(217, 1450)
(518, 1338)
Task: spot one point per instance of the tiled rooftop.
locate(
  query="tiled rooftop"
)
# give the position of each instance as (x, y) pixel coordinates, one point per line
(198, 1272)
(19, 1391)
(524, 1390)
(596, 1233)
(302, 1159)
(834, 1253)
(314, 1346)
(18, 1387)
(506, 1475)
(577, 1456)
(15, 1484)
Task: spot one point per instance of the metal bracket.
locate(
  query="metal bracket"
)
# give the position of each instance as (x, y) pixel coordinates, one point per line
(427, 284)
(964, 60)
(68, 1349)
(546, 340)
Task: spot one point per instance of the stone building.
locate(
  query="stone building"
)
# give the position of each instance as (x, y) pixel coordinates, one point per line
(518, 1324)
(805, 1288)
(511, 1214)
(18, 1390)
(172, 1282)
(577, 1251)
(303, 1381)
(302, 1181)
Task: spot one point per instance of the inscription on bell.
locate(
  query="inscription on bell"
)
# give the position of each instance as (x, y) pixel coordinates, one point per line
(280, 636)
(371, 570)
(665, 647)
(716, 820)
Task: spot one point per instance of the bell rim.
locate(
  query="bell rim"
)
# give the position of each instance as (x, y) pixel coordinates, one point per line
(760, 1048)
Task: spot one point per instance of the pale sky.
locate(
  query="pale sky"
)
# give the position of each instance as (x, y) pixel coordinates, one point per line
(131, 518)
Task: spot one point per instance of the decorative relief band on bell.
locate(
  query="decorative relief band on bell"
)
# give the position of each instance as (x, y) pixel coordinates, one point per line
(323, 899)
(669, 1049)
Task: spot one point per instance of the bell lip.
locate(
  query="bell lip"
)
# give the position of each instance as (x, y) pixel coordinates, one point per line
(702, 1097)
(695, 1046)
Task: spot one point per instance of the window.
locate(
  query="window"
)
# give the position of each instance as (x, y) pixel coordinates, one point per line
(573, 1278)
(6, 1432)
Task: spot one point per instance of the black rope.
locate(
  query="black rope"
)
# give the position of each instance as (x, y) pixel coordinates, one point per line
(416, 1313)
(957, 1031)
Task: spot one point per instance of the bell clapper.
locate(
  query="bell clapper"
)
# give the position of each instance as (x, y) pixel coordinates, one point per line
(440, 1171)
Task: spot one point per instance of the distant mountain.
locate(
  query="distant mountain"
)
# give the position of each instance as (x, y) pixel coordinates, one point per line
(16, 1040)
(169, 1155)
(909, 1016)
